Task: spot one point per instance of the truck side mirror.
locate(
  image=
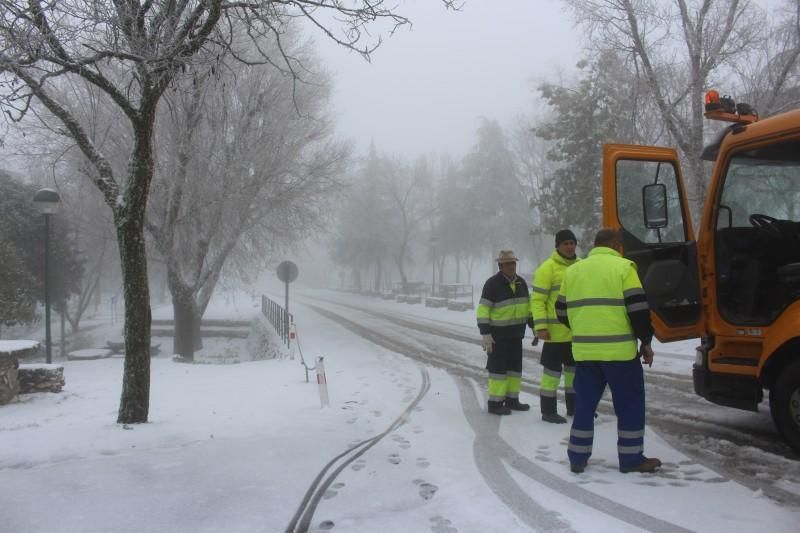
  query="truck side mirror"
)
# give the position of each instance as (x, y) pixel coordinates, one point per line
(654, 206)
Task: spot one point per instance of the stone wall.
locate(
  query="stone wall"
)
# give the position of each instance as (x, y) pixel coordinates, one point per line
(9, 384)
(40, 378)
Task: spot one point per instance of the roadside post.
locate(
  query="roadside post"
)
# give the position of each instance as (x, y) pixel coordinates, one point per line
(287, 273)
(322, 382)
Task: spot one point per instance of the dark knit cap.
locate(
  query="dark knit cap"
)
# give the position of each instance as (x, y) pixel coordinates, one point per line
(565, 235)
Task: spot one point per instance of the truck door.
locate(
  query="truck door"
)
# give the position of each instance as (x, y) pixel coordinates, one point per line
(644, 197)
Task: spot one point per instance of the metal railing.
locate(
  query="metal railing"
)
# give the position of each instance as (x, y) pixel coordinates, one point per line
(278, 317)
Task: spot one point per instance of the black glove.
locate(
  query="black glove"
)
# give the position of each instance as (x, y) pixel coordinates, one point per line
(535, 341)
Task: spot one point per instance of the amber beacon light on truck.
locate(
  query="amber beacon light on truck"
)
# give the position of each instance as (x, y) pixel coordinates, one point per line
(724, 108)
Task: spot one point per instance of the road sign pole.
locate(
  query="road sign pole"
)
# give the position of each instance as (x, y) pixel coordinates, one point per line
(286, 310)
(287, 273)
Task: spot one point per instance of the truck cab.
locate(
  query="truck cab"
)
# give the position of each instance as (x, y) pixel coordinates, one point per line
(735, 284)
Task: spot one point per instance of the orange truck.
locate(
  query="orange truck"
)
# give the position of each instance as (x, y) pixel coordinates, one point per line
(735, 284)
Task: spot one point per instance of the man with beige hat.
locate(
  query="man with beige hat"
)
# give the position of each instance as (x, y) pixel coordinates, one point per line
(503, 312)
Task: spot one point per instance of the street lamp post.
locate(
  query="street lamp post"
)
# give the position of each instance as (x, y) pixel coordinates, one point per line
(434, 245)
(47, 202)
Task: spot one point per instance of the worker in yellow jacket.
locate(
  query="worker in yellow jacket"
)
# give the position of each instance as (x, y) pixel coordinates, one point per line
(557, 350)
(602, 301)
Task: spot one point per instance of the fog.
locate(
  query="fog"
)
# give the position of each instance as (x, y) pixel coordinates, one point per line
(427, 90)
(427, 85)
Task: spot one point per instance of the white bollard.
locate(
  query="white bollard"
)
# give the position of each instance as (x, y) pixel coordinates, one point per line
(323, 383)
(292, 337)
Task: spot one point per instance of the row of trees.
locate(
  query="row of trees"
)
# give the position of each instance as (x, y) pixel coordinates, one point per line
(108, 79)
(439, 209)
(646, 66)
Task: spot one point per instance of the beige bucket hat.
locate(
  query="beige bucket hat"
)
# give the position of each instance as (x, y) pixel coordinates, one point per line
(506, 256)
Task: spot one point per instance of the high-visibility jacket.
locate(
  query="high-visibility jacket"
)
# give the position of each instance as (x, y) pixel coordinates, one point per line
(602, 301)
(544, 293)
(504, 308)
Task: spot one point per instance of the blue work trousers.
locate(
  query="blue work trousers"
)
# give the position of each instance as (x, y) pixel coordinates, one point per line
(626, 381)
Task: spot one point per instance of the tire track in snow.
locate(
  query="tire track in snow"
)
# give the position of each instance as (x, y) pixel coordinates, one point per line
(490, 448)
(491, 451)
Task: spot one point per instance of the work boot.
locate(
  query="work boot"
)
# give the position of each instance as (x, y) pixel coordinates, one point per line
(576, 468)
(646, 466)
(497, 408)
(515, 405)
(554, 418)
(569, 399)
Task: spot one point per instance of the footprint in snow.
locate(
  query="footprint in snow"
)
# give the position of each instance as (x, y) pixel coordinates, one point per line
(394, 459)
(422, 462)
(359, 464)
(439, 524)
(427, 490)
(326, 525)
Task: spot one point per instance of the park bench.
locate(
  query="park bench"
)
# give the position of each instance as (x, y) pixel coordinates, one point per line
(459, 296)
(435, 301)
(410, 292)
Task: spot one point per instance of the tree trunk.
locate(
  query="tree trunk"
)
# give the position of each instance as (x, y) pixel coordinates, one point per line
(135, 401)
(378, 275)
(187, 324)
(62, 340)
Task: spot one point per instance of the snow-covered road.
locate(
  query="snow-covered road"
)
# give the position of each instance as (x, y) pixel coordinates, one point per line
(405, 446)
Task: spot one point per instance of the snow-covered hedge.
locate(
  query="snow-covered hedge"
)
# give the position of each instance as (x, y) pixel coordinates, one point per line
(264, 342)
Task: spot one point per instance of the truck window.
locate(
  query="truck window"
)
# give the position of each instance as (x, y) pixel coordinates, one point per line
(757, 238)
(758, 186)
(632, 177)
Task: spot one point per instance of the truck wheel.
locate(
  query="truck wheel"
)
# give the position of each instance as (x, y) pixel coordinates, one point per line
(784, 402)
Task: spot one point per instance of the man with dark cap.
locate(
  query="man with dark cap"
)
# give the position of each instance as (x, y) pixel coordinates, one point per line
(502, 314)
(557, 349)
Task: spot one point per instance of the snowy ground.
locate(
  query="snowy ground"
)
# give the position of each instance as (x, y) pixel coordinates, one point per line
(402, 447)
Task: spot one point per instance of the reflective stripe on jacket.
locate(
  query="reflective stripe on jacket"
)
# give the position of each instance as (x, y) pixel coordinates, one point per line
(504, 308)
(544, 293)
(596, 297)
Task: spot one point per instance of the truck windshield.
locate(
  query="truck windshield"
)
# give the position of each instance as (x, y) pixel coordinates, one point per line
(757, 239)
(758, 186)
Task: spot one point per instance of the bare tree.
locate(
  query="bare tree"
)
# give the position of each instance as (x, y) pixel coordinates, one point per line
(133, 52)
(678, 46)
(768, 75)
(405, 189)
(359, 242)
(251, 174)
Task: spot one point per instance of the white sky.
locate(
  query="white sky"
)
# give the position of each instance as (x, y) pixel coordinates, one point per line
(235, 447)
(427, 86)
